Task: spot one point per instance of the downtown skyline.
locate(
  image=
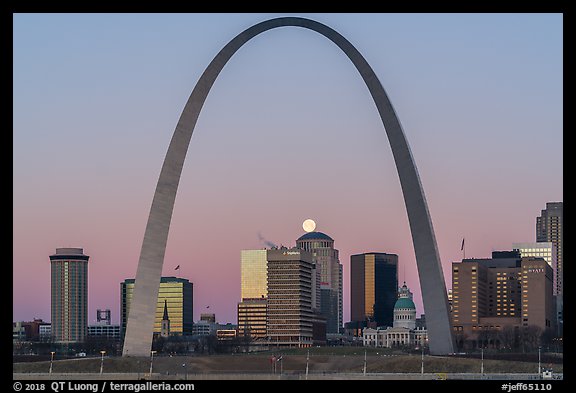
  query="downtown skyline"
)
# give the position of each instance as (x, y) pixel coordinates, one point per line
(110, 88)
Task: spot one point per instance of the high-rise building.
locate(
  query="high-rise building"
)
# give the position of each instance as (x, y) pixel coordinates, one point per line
(252, 318)
(176, 293)
(545, 250)
(327, 263)
(505, 290)
(253, 274)
(290, 315)
(254, 294)
(69, 294)
(373, 286)
(549, 229)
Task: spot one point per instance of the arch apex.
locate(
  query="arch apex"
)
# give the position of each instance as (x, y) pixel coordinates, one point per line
(140, 326)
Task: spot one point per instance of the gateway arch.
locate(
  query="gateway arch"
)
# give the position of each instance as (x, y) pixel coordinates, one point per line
(140, 325)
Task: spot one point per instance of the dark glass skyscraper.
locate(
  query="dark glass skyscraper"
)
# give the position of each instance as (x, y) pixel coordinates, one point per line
(69, 294)
(373, 287)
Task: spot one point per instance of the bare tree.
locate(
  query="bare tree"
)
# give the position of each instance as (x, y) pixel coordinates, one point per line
(245, 340)
(529, 337)
(547, 337)
(461, 338)
(486, 338)
(507, 337)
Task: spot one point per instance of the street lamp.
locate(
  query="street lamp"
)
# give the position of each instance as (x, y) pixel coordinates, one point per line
(102, 361)
(51, 360)
(422, 368)
(539, 368)
(482, 364)
(281, 360)
(151, 361)
(423, 342)
(185, 371)
(307, 360)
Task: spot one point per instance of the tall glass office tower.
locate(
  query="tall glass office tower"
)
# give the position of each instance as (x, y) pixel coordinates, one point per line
(373, 287)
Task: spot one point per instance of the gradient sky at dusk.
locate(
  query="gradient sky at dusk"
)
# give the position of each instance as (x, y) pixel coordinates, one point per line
(288, 132)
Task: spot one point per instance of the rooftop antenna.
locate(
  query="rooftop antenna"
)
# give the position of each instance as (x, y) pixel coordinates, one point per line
(404, 272)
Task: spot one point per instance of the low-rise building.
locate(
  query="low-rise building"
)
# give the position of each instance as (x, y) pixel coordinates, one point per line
(404, 331)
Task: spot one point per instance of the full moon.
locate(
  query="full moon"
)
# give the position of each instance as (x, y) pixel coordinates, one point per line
(309, 225)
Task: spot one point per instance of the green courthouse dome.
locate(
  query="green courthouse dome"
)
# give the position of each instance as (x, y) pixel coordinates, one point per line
(404, 302)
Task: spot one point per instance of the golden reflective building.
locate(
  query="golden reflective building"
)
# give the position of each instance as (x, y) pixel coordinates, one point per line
(252, 310)
(176, 293)
(253, 274)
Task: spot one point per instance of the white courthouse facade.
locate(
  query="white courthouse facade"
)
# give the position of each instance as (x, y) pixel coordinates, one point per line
(404, 331)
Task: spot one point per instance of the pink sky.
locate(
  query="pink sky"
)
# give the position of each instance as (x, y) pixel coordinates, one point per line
(288, 132)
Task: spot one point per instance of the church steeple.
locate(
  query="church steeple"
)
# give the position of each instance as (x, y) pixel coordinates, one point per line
(165, 317)
(165, 329)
